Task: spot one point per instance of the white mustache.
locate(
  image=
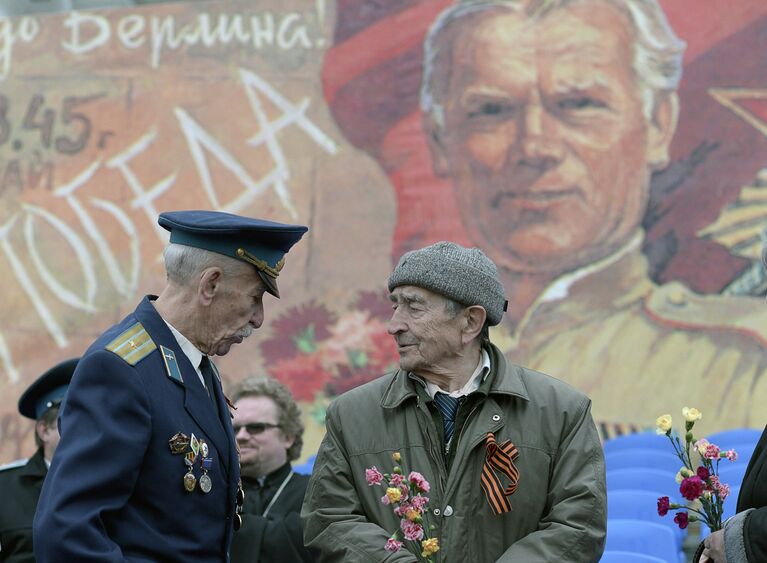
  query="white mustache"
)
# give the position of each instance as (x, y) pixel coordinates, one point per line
(244, 332)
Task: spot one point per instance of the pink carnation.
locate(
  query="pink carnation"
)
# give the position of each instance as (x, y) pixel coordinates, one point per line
(396, 480)
(385, 500)
(373, 476)
(393, 545)
(419, 502)
(402, 509)
(411, 530)
(691, 488)
(712, 452)
(419, 481)
(732, 455)
(724, 491)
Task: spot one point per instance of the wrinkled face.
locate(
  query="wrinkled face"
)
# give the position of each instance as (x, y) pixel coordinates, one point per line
(236, 311)
(545, 138)
(264, 448)
(427, 335)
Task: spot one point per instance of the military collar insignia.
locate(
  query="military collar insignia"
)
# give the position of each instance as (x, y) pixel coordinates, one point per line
(171, 365)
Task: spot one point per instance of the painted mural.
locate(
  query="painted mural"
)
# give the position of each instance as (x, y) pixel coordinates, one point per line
(610, 156)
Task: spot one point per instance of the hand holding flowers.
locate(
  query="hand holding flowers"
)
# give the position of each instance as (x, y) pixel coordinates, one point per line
(700, 485)
(406, 496)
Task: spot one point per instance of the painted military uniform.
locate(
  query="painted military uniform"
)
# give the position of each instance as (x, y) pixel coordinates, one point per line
(640, 350)
(20, 485)
(137, 490)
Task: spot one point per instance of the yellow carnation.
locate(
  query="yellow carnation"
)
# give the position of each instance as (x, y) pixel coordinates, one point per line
(396, 457)
(691, 414)
(394, 494)
(664, 423)
(413, 515)
(429, 547)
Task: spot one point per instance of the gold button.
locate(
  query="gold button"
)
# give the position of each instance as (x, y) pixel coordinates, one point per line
(677, 297)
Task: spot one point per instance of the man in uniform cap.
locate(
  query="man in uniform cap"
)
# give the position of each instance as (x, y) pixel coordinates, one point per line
(21, 482)
(486, 434)
(148, 467)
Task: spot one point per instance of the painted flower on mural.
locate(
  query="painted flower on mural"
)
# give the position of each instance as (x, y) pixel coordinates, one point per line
(318, 353)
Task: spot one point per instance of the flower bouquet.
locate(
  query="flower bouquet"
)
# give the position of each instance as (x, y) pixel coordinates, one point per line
(406, 496)
(701, 484)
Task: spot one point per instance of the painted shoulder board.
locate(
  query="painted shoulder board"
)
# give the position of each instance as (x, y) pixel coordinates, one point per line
(133, 345)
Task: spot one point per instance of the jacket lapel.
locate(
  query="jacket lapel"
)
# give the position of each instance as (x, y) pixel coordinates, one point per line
(196, 400)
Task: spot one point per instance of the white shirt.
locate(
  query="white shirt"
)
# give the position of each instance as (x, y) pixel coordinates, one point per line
(189, 350)
(476, 379)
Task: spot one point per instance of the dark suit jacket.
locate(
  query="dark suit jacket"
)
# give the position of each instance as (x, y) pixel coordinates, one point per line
(753, 494)
(115, 491)
(19, 488)
(277, 537)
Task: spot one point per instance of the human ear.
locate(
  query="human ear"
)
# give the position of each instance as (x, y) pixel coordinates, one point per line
(209, 285)
(435, 136)
(474, 320)
(661, 129)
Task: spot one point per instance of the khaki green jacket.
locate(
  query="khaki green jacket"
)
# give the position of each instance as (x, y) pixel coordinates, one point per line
(559, 510)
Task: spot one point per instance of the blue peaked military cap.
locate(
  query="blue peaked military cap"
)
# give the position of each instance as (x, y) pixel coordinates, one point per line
(260, 243)
(48, 390)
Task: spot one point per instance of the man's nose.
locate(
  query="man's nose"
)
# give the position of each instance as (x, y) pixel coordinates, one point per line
(395, 325)
(540, 145)
(257, 319)
(242, 434)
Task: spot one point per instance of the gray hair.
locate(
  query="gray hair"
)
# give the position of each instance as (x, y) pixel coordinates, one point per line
(289, 417)
(184, 263)
(657, 50)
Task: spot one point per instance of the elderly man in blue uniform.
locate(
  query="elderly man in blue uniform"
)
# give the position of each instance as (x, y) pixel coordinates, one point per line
(21, 482)
(147, 467)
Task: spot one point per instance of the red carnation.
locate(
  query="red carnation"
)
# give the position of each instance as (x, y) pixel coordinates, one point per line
(703, 473)
(663, 505)
(692, 487)
(681, 519)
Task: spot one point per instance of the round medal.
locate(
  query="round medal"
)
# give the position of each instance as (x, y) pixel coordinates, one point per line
(189, 482)
(204, 447)
(205, 483)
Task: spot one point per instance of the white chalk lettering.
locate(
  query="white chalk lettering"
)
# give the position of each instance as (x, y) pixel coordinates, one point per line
(49, 321)
(58, 289)
(144, 197)
(95, 32)
(130, 31)
(28, 29)
(125, 285)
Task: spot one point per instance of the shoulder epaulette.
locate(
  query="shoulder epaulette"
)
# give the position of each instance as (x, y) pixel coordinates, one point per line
(133, 345)
(14, 464)
(677, 306)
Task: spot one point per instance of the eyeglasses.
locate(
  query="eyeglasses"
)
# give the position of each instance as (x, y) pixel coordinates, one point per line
(254, 427)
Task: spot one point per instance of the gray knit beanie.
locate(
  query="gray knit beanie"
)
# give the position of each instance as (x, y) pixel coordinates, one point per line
(465, 275)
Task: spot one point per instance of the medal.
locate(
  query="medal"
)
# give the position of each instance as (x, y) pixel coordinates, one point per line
(204, 448)
(178, 443)
(189, 479)
(205, 482)
(194, 443)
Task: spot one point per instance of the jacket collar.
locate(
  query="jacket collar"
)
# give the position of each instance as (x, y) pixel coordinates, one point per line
(35, 468)
(196, 399)
(504, 379)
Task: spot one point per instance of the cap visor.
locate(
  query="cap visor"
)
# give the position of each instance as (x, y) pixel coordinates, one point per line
(270, 282)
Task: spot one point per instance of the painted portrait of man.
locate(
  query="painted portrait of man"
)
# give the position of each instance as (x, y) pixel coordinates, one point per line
(551, 125)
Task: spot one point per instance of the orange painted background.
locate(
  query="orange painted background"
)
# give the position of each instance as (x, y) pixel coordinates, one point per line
(308, 112)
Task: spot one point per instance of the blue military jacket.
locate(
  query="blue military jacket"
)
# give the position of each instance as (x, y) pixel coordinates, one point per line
(115, 491)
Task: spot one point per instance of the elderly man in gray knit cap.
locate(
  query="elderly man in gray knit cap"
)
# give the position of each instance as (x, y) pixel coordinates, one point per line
(512, 458)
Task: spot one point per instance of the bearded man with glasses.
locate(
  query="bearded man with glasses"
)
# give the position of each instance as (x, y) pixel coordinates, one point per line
(269, 434)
